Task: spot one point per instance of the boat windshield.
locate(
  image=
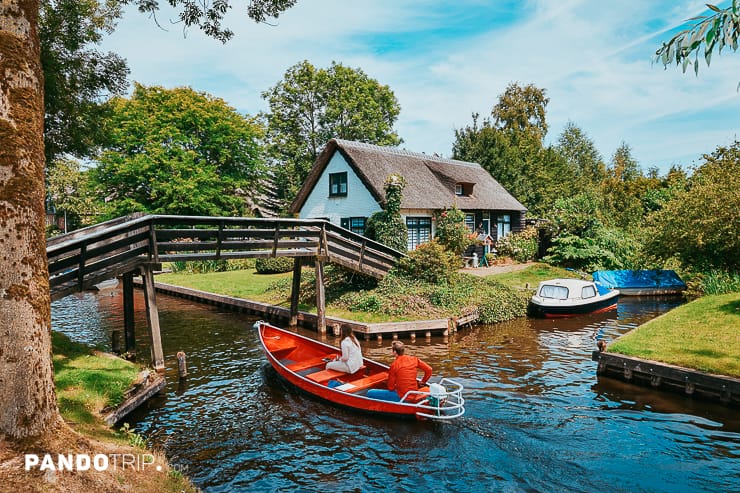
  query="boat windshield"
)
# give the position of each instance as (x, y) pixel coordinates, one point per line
(588, 292)
(556, 292)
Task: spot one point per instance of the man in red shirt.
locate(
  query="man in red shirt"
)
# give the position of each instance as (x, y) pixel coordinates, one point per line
(402, 375)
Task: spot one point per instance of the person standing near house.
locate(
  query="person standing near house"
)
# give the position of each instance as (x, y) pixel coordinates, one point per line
(402, 375)
(351, 359)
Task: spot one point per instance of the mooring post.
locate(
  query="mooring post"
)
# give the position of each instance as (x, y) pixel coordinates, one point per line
(115, 336)
(129, 335)
(152, 317)
(182, 367)
(295, 291)
(320, 298)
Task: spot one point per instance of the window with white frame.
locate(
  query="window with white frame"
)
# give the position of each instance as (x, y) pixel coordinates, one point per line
(504, 225)
(419, 231)
(338, 184)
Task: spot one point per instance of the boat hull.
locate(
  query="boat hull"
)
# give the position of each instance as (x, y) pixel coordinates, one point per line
(572, 309)
(286, 350)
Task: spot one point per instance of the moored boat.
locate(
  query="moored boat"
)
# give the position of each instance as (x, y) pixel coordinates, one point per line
(557, 298)
(641, 282)
(301, 361)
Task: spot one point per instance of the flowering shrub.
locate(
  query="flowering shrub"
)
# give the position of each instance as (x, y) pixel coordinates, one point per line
(520, 246)
(452, 233)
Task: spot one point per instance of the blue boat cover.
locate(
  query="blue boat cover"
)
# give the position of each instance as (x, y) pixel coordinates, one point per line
(639, 279)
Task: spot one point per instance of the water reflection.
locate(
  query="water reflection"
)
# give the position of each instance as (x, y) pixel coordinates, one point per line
(538, 419)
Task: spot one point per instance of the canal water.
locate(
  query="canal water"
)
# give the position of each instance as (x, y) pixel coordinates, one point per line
(538, 418)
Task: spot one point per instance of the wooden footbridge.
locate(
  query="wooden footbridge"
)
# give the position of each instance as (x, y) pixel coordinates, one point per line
(131, 246)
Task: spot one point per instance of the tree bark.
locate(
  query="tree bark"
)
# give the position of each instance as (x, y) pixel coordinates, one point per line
(28, 405)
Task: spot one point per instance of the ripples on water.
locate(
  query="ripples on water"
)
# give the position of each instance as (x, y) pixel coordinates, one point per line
(538, 419)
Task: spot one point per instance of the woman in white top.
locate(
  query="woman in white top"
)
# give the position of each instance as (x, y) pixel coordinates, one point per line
(351, 359)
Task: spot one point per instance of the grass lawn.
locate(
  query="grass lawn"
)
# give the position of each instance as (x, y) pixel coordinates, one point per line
(87, 382)
(532, 275)
(245, 284)
(703, 335)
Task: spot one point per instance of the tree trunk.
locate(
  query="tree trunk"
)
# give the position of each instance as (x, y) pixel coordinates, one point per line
(28, 405)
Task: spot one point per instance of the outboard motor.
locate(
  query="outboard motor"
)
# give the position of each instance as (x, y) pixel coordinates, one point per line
(437, 394)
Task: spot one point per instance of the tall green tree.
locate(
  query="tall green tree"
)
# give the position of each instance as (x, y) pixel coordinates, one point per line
(178, 151)
(509, 145)
(718, 30)
(312, 105)
(699, 224)
(72, 194)
(582, 156)
(522, 109)
(77, 77)
(28, 406)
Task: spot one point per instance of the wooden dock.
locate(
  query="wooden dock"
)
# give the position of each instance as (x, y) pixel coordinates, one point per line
(150, 383)
(411, 329)
(664, 376)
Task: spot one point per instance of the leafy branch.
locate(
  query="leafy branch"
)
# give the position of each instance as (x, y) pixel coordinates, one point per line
(718, 30)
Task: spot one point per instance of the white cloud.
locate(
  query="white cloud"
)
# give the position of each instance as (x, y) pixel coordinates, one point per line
(594, 59)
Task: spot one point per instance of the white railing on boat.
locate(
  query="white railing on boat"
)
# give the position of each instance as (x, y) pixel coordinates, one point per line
(449, 404)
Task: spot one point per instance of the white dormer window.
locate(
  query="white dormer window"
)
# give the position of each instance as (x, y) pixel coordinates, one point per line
(458, 189)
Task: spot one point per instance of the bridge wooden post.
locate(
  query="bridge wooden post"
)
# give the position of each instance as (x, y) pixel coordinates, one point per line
(320, 297)
(152, 317)
(129, 345)
(295, 291)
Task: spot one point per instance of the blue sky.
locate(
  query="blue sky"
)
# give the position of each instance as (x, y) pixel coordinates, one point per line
(447, 60)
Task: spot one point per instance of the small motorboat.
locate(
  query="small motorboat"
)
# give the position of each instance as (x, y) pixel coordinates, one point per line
(301, 361)
(641, 282)
(570, 297)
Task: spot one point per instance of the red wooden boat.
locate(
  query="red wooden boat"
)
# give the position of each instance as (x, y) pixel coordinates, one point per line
(301, 361)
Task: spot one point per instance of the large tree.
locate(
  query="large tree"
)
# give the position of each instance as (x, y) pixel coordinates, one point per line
(509, 145)
(77, 77)
(312, 105)
(581, 154)
(28, 405)
(178, 151)
(70, 191)
(522, 109)
(699, 224)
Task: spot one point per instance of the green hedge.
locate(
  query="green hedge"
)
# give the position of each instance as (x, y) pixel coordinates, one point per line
(273, 265)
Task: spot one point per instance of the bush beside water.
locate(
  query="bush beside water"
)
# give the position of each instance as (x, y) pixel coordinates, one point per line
(421, 286)
(274, 265)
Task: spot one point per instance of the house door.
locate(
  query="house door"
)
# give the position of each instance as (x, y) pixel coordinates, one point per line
(486, 221)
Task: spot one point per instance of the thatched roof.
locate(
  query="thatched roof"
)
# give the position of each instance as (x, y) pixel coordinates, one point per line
(430, 180)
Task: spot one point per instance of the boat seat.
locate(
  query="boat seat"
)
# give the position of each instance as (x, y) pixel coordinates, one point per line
(324, 376)
(309, 363)
(363, 383)
(414, 398)
(280, 345)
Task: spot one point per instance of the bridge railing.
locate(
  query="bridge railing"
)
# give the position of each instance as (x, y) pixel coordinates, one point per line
(80, 259)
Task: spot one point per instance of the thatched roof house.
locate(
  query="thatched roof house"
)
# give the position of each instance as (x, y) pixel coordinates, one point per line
(346, 183)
